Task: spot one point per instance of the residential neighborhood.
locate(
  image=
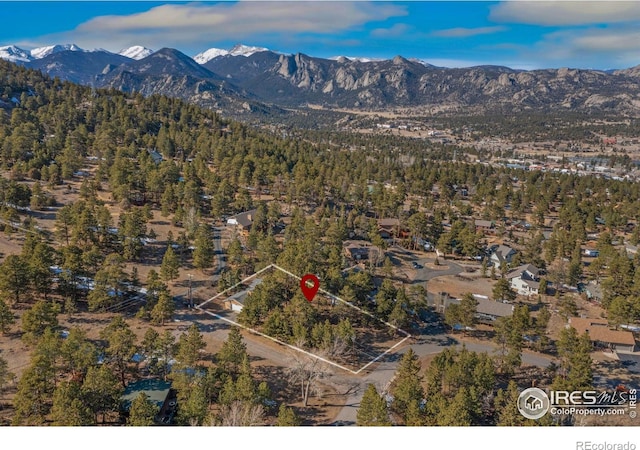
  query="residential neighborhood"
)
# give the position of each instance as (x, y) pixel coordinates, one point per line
(253, 236)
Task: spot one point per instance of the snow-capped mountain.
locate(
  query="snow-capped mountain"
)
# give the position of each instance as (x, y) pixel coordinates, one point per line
(41, 52)
(237, 50)
(354, 58)
(14, 54)
(208, 55)
(246, 50)
(136, 52)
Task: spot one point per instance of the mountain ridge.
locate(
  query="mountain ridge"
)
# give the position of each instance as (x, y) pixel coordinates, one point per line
(136, 52)
(255, 74)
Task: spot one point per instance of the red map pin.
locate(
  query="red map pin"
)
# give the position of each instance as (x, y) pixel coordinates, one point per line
(309, 292)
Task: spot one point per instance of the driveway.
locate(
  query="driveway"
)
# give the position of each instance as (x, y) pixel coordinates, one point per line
(220, 256)
(630, 361)
(426, 274)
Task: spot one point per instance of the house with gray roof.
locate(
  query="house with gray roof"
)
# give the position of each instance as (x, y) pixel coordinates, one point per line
(487, 311)
(484, 226)
(502, 254)
(242, 221)
(525, 279)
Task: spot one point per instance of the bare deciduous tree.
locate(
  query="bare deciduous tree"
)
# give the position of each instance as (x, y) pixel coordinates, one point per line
(306, 370)
(242, 414)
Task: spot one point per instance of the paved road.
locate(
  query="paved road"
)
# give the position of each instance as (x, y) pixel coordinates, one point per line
(217, 247)
(426, 274)
(432, 340)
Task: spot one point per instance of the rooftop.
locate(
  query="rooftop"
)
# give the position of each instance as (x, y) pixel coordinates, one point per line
(388, 222)
(493, 308)
(598, 330)
(157, 390)
(520, 270)
(244, 219)
(484, 223)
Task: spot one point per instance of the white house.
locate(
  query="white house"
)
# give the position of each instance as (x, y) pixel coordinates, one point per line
(525, 279)
(502, 254)
(236, 301)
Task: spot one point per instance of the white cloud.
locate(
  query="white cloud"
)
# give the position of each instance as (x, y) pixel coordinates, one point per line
(467, 32)
(608, 41)
(550, 13)
(598, 48)
(398, 29)
(204, 24)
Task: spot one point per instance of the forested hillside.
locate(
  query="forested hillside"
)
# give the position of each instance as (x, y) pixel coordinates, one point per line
(106, 165)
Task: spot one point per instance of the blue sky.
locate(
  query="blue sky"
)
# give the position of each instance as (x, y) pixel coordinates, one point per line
(519, 34)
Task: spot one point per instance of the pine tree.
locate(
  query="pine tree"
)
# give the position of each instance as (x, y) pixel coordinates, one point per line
(41, 258)
(566, 345)
(69, 408)
(245, 387)
(287, 417)
(373, 410)
(235, 253)
(154, 287)
(108, 283)
(468, 310)
(101, 391)
(5, 375)
(509, 337)
(189, 346)
(166, 349)
(142, 412)
(621, 311)
(70, 307)
(121, 345)
(150, 345)
(40, 317)
(170, 265)
(14, 278)
(459, 411)
(232, 352)
(35, 389)
(414, 416)
(164, 309)
(194, 409)
(78, 353)
(502, 291)
(580, 375)
(506, 405)
(407, 387)
(204, 251)
(452, 315)
(6, 317)
(398, 316)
